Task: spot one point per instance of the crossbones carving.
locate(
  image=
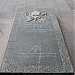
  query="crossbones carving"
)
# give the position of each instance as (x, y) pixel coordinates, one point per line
(35, 15)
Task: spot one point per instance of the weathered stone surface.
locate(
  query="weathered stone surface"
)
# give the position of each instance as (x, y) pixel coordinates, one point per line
(36, 46)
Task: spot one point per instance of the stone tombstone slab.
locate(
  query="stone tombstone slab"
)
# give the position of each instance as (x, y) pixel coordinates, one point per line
(36, 46)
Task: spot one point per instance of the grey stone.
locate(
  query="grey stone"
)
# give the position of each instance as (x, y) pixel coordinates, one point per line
(36, 46)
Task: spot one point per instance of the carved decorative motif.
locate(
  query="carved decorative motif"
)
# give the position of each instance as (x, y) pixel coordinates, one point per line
(35, 15)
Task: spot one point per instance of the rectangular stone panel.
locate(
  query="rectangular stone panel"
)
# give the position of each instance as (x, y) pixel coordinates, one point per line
(36, 46)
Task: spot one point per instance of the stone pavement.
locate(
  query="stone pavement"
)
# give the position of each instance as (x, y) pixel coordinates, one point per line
(64, 10)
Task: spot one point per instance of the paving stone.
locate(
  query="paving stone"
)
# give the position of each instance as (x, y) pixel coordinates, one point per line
(7, 15)
(62, 5)
(10, 6)
(70, 4)
(5, 21)
(47, 4)
(2, 4)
